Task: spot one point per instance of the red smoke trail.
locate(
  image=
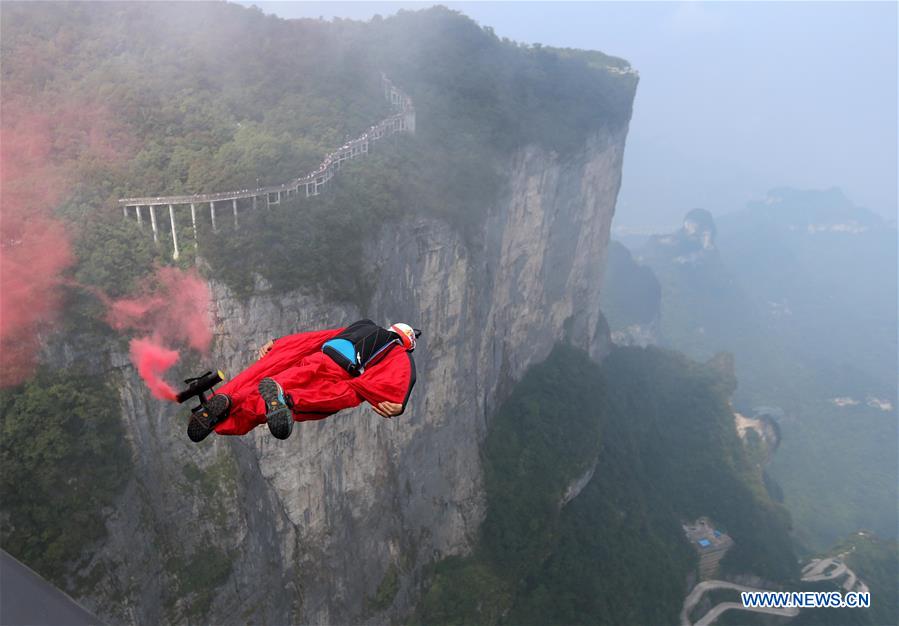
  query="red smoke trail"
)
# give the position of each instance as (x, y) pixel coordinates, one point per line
(41, 145)
(174, 309)
(34, 247)
(33, 253)
(49, 139)
(152, 361)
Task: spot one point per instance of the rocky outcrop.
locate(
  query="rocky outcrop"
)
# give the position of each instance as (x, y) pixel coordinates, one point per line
(576, 486)
(335, 524)
(767, 436)
(693, 244)
(765, 428)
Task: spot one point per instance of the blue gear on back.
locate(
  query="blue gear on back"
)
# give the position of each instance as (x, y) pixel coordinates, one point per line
(344, 347)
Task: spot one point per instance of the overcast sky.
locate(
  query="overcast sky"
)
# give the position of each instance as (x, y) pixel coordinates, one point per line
(734, 98)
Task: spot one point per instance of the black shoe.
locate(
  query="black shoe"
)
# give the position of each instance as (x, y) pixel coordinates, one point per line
(278, 412)
(204, 419)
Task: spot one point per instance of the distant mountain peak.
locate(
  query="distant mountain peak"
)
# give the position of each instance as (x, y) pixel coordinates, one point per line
(832, 197)
(812, 211)
(699, 225)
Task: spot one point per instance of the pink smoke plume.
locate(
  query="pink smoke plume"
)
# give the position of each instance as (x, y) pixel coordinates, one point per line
(33, 254)
(42, 144)
(173, 310)
(152, 361)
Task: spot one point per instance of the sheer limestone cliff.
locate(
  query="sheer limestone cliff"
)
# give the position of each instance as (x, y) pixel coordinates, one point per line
(336, 524)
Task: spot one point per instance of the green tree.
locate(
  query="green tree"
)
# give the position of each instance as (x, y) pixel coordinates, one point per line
(62, 459)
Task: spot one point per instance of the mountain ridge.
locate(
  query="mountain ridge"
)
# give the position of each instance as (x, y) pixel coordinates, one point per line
(781, 286)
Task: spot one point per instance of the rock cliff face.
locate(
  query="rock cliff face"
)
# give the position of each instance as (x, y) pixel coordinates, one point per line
(335, 524)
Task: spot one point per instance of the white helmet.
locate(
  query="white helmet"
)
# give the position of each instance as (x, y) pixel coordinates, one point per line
(406, 334)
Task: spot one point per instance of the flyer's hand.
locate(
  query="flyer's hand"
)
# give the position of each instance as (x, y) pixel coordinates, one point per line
(388, 409)
(264, 349)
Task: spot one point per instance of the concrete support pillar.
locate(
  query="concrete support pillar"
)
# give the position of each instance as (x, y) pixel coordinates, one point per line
(234, 208)
(279, 196)
(212, 215)
(268, 203)
(140, 219)
(255, 198)
(193, 218)
(124, 211)
(153, 224)
(174, 232)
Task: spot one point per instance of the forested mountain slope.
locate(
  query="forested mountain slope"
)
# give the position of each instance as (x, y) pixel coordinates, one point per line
(654, 433)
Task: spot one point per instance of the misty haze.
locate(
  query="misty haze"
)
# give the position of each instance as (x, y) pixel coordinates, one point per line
(478, 313)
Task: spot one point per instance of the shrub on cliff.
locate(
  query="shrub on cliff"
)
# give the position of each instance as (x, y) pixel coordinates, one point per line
(62, 459)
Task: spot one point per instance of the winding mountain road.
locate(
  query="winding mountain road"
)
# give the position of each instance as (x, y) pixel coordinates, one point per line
(718, 609)
(813, 572)
(700, 590)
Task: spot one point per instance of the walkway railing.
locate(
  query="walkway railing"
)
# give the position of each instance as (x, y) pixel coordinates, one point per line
(403, 120)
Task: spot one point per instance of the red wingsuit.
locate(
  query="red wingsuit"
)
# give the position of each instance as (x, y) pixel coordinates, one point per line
(318, 386)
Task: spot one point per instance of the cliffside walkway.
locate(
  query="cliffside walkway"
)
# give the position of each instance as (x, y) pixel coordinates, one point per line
(403, 120)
